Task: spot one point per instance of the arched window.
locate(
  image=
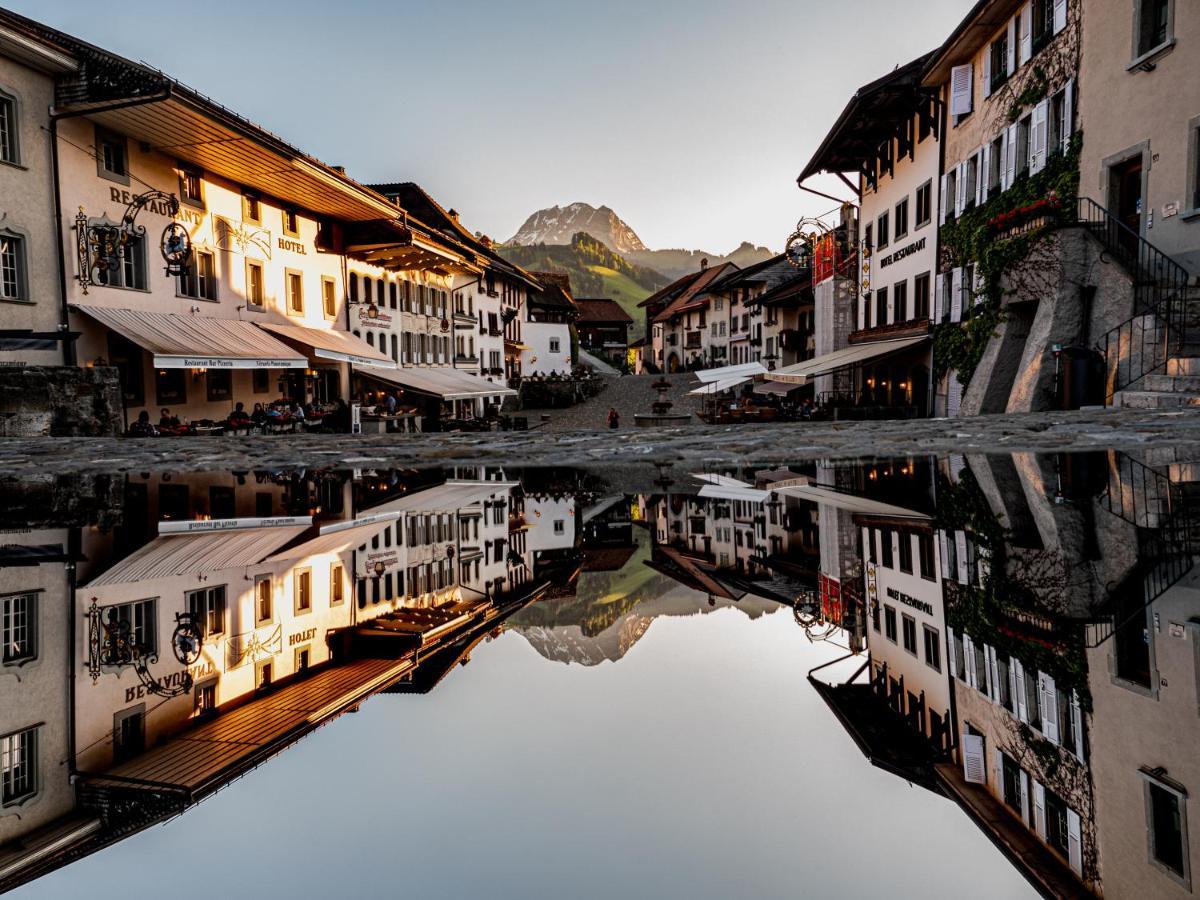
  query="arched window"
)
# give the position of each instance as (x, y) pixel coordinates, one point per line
(371, 338)
(379, 292)
(353, 287)
(366, 289)
(392, 295)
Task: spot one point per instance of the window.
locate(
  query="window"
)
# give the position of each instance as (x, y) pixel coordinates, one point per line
(925, 539)
(909, 625)
(1056, 822)
(971, 183)
(218, 385)
(904, 544)
(18, 755)
(254, 284)
(982, 672)
(170, 386)
(18, 621)
(199, 277)
(885, 545)
(295, 292)
(1022, 146)
(559, 526)
(9, 132)
(1004, 683)
(881, 230)
(889, 623)
(933, 648)
(303, 657)
(260, 381)
(205, 699)
(13, 282)
(999, 62)
(1010, 776)
(129, 270)
(1042, 12)
(303, 590)
(1153, 25)
(252, 209)
(112, 160)
(329, 297)
(191, 186)
(902, 218)
(139, 616)
(1030, 687)
(1066, 720)
(924, 204)
(555, 345)
(868, 232)
(960, 660)
(337, 584)
(881, 307)
(900, 302)
(875, 616)
(921, 310)
(291, 223)
(1056, 138)
(263, 674)
(207, 607)
(949, 203)
(1195, 166)
(992, 177)
(1166, 821)
(129, 733)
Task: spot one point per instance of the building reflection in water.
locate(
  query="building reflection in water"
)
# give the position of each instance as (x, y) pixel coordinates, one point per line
(1019, 633)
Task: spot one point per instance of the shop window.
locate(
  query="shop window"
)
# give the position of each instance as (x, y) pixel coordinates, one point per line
(18, 628)
(219, 385)
(222, 502)
(255, 284)
(329, 297)
(933, 648)
(1154, 25)
(902, 218)
(303, 582)
(170, 387)
(207, 607)
(295, 292)
(924, 204)
(174, 502)
(14, 282)
(261, 381)
(191, 186)
(251, 209)
(112, 156)
(909, 628)
(291, 223)
(10, 147)
(889, 623)
(1166, 825)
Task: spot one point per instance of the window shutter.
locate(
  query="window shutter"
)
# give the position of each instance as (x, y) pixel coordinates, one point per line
(1068, 114)
(1060, 15)
(985, 166)
(1012, 45)
(942, 202)
(1026, 29)
(977, 290)
(953, 400)
(1004, 154)
(1019, 690)
(969, 661)
(994, 676)
(1048, 701)
(1074, 842)
(938, 315)
(987, 72)
(960, 189)
(1010, 158)
(943, 561)
(1023, 780)
(956, 295)
(1037, 138)
(1077, 727)
(961, 94)
(960, 537)
(998, 769)
(950, 660)
(1039, 809)
(973, 764)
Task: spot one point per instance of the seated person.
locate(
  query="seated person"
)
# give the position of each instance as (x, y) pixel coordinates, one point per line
(259, 415)
(142, 427)
(166, 420)
(239, 417)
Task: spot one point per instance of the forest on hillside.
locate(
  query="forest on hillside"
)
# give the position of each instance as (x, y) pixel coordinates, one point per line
(590, 264)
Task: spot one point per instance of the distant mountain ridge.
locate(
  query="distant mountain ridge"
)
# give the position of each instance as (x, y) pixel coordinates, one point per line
(558, 226)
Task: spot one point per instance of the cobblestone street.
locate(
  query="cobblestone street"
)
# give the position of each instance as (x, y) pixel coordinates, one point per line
(1169, 434)
(629, 394)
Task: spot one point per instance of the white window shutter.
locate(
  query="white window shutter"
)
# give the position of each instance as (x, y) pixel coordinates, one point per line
(974, 767)
(960, 189)
(1037, 137)
(1060, 15)
(1048, 701)
(953, 401)
(1012, 45)
(1068, 114)
(942, 202)
(969, 659)
(956, 280)
(962, 98)
(943, 561)
(1039, 809)
(993, 675)
(998, 769)
(1011, 156)
(1077, 727)
(987, 72)
(985, 166)
(1019, 690)
(1024, 782)
(1005, 153)
(951, 661)
(960, 548)
(1013, 684)
(1074, 842)
(1026, 30)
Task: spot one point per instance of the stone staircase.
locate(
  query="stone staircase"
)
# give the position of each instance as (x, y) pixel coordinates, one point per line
(1176, 385)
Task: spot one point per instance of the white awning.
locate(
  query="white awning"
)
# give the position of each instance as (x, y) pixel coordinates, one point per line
(716, 387)
(850, 502)
(775, 388)
(336, 540)
(449, 497)
(722, 487)
(191, 554)
(841, 359)
(198, 342)
(329, 344)
(745, 370)
(449, 384)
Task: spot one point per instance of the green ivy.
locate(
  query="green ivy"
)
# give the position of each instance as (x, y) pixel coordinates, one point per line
(969, 239)
(1034, 92)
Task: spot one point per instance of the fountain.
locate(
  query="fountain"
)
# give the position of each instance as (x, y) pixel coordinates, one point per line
(660, 413)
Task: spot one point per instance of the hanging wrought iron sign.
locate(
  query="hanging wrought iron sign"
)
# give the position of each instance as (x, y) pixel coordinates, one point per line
(799, 248)
(101, 245)
(113, 643)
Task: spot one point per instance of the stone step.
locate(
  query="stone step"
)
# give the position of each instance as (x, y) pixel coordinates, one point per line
(1184, 365)
(1184, 473)
(1154, 400)
(1171, 383)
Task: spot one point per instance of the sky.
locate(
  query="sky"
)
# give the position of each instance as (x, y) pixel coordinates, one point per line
(690, 118)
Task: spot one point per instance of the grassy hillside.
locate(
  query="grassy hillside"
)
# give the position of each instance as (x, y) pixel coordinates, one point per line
(595, 271)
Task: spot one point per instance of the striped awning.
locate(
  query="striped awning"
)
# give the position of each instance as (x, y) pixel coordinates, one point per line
(447, 383)
(328, 344)
(198, 342)
(846, 358)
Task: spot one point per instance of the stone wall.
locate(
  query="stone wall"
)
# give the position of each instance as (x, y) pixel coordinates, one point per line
(60, 401)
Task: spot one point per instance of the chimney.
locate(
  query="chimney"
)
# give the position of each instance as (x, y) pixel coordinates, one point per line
(341, 170)
(704, 264)
(452, 213)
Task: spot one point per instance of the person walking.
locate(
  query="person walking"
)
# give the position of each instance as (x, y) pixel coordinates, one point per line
(614, 418)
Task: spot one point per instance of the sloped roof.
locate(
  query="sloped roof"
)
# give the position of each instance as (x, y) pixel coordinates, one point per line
(602, 310)
(707, 277)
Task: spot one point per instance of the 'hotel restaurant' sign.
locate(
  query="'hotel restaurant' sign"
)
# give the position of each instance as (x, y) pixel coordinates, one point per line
(896, 256)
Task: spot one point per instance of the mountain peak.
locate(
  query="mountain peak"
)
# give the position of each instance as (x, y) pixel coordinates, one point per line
(558, 225)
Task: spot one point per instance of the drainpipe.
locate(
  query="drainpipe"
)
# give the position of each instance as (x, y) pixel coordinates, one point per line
(64, 325)
(74, 552)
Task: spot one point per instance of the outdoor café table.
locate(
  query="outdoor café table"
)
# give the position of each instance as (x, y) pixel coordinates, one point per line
(208, 429)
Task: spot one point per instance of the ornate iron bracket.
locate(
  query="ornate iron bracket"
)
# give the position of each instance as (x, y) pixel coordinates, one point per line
(111, 644)
(100, 245)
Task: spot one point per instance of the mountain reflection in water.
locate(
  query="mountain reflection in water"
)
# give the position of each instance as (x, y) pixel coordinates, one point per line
(1014, 636)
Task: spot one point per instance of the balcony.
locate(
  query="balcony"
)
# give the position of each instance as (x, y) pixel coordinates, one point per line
(461, 359)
